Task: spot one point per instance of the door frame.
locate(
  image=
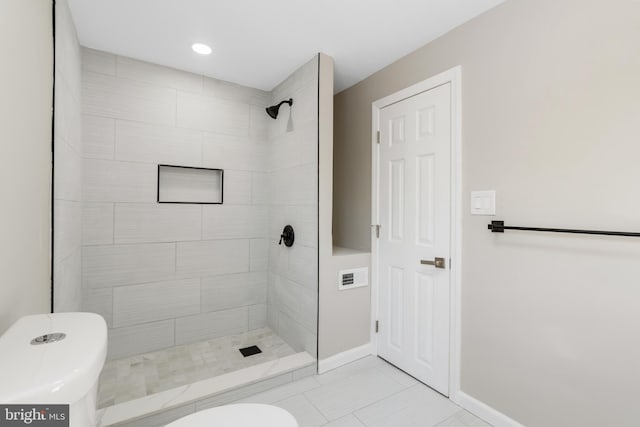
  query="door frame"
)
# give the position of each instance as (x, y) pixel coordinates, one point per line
(454, 77)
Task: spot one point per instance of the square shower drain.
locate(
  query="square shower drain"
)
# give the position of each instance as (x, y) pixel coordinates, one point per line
(250, 351)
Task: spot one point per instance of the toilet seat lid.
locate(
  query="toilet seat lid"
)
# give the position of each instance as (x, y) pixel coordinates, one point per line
(239, 415)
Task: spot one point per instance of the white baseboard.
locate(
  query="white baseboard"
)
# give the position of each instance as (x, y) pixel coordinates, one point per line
(484, 411)
(337, 360)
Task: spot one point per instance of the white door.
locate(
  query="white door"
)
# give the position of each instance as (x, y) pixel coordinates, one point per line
(414, 211)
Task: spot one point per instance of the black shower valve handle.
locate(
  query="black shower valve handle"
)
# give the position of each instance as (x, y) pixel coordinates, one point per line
(287, 236)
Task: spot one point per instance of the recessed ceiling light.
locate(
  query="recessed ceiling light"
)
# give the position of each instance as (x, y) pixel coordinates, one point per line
(201, 48)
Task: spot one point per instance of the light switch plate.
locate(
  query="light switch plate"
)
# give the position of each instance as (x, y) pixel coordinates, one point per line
(483, 202)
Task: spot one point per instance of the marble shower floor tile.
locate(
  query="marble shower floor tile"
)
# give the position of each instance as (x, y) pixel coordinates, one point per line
(141, 375)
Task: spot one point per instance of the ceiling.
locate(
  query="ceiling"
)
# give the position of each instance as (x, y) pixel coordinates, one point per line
(258, 43)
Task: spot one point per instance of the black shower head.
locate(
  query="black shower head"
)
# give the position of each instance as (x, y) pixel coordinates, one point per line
(273, 110)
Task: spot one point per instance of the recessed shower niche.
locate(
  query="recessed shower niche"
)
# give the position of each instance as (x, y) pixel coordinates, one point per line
(184, 184)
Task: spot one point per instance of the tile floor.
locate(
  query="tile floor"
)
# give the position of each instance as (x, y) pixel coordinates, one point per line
(141, 375)
(366, 393)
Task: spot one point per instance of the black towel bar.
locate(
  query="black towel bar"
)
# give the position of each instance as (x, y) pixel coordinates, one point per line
(499, 227)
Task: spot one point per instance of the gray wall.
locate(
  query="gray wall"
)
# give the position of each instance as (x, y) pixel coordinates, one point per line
(26, 85)
(67, 181)
(551, 102)
(293, 163)
(168, 274)
(340, 327)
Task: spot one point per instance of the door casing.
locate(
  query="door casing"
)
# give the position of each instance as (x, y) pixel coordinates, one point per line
(454, 77)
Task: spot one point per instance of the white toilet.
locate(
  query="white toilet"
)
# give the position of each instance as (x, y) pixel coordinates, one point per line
(240, 415)
(54, 359)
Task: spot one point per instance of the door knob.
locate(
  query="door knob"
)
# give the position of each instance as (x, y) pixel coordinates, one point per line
(437, 262)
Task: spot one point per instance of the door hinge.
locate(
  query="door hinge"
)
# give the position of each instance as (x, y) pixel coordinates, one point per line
(377, 326)
(377, 226)
(378, 137)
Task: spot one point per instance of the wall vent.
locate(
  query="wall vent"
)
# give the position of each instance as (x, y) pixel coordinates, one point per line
(353, 278)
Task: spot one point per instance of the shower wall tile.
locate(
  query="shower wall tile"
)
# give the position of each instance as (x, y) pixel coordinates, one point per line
(259, 120)
(296, 302)
(155, 301)
(212, 114)
(68, 117)
(125, 99)
(260, 185)
(257, 316)
(234, 222)
(110, 181)
(67, 175)
(233, 291)
(303, 266)
(259, 264)
(272, 317)
(296, 335)
(305, 76)
(233, 152)
(148, 223)
(295, 186)
(67, 276)
(278, 257)
(306, 109)
(97, 61)
(139, 142)
(68, 55)
(212, 257)
(138, 339)
(67, 184)
(117, 265)
(97, 223)
(211, 325)
(99, 301)
(237, 187)
(259, 255)
(67, 233)
(288, 151)
(98, 137)
(158, 75)
(234, 92)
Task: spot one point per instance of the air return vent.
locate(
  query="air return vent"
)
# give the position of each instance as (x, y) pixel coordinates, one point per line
(353, 278)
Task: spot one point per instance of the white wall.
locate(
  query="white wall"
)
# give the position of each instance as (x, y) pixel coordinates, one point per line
(26, 85)
(293, 165)
(67, 180)
(551, 101)
(168, 274)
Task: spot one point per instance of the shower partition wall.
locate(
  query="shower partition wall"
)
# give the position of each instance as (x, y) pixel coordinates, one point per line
(293, 164)
(184, 286)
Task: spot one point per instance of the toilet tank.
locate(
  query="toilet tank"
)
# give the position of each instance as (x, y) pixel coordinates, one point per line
(54, 359)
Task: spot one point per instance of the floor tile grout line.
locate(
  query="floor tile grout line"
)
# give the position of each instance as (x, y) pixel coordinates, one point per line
(314, 406)
(372, 403)
(309, 402)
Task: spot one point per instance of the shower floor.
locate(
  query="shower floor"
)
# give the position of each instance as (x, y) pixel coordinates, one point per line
(141, 375)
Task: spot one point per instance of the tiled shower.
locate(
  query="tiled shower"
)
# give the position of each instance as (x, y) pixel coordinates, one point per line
(178, 280)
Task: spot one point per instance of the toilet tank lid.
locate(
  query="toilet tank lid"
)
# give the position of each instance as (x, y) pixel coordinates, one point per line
(239, 415)
(56, 372)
